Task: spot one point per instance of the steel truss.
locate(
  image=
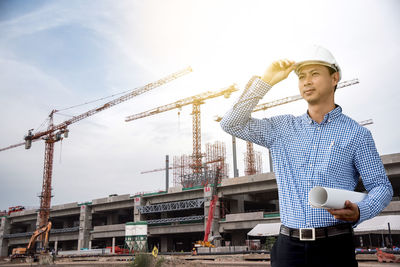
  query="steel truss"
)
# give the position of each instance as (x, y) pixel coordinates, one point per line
(172, 206)
(176, 219)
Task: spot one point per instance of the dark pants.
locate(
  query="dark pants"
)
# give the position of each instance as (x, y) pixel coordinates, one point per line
(336, 251)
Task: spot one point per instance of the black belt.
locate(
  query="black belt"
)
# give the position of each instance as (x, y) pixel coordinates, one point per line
(310, 234)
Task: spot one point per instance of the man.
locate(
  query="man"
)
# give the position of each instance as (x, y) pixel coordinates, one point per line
(320, 148)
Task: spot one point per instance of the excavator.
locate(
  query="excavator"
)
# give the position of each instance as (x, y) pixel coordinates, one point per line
(29, 250)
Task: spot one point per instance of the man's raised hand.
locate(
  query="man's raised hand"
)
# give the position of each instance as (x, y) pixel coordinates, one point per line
(278, 71)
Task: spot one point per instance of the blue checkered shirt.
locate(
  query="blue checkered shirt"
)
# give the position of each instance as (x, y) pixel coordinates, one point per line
(333, 153)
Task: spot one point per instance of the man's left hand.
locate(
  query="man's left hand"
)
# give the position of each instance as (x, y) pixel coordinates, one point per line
(350, 213)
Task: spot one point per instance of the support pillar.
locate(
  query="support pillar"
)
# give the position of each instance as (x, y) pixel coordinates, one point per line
(85, 225)
(56, 246)
(113, 245)
(137, 216)
(235, 169)
(237, 204)
(166, 244)
(4, 229)
(214, 236)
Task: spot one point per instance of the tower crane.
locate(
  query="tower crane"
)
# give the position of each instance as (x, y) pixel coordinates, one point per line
(196, 101)
(263, 106)
(54, 133)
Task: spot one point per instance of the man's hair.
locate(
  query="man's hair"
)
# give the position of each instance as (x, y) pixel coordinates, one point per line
(332, 71)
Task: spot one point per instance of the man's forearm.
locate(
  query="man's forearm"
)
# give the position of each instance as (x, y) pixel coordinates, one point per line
(238, 117)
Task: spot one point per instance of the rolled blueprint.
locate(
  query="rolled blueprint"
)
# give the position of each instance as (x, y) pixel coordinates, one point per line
(331, 198)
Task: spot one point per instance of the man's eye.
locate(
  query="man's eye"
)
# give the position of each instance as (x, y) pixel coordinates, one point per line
(315, 73)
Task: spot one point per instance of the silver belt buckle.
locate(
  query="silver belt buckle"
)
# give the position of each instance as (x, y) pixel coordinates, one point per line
(307, 234)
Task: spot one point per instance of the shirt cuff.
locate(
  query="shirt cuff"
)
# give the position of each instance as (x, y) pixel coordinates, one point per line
(364, 213)
(260, 88)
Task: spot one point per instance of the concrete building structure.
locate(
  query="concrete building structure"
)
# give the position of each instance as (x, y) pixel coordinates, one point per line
(176, 219)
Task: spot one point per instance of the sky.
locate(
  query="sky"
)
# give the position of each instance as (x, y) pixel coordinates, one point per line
(57, 54)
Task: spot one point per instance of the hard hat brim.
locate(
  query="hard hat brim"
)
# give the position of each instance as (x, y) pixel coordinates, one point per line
(300, 65)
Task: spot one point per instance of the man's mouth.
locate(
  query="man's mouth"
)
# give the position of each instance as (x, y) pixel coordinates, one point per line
(308, 91)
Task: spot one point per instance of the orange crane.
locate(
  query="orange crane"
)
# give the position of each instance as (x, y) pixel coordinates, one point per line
(196, 101)
(54, 133)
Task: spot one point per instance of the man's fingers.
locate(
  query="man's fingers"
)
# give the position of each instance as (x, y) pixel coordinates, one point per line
(349, 213)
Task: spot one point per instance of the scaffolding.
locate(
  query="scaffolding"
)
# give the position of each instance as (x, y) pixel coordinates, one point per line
(216, 157)
(252, 160)
(181, 167)
(176, 219)
(185, 169)
(172, 206)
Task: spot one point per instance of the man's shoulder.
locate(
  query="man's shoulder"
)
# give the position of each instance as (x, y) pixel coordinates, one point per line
(287, 118)
(352, 124)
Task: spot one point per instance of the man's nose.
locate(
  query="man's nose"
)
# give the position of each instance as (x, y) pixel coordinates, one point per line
(307, 80)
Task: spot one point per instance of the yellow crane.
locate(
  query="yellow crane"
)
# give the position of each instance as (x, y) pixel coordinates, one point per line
(196, 101)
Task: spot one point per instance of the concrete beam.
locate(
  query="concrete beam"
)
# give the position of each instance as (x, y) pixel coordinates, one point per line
(107, 231)
(128, 204)
(175, 229)
(111, 199)
(233, 226)
(171, 197)
(248, 184)
(392, 208)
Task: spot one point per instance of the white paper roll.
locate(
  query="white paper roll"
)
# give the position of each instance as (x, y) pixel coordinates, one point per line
(331, 198)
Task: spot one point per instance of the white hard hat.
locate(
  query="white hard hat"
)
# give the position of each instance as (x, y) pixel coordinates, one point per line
(317, 55)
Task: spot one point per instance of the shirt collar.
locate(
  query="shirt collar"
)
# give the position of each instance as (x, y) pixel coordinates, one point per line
(337, 111)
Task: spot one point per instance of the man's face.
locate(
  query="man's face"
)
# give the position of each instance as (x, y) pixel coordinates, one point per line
(316, 84)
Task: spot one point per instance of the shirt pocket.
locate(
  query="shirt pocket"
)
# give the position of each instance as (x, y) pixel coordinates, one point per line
(336, 157)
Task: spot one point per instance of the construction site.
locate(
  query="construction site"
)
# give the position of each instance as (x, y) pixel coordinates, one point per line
(206, 215)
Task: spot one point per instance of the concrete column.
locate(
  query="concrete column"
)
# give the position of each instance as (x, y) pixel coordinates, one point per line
(85, 225)
(215, 225)
(4, 229)
(238, 239)
(237, 204)
(214, 231)
(112, 218)
(56, 246)
(90, 244)
(113, 245)
(166, 244)
(137, 217)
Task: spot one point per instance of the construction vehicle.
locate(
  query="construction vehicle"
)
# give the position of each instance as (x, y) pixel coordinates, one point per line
(54, 134)
(30, 250)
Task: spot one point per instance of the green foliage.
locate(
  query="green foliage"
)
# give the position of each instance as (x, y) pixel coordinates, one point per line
(269, 242)
(160, 262)
(142, 260)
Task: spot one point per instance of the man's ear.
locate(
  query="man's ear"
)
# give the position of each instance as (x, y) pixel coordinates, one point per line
(335, 79)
